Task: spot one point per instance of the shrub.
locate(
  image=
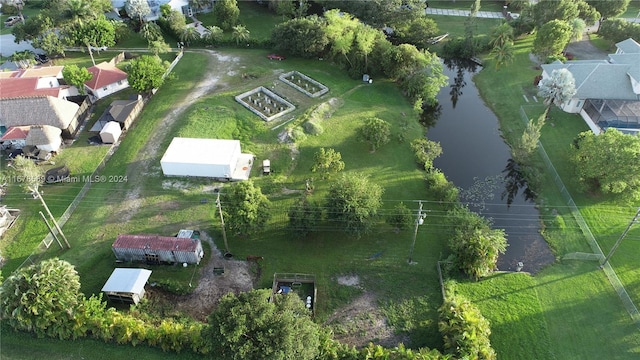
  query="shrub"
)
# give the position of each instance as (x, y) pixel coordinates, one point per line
(440, 188)
(464, 330)
(312, 128)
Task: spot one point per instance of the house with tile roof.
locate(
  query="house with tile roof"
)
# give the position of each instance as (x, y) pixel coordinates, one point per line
(15, 137)
(39, 81)
(607, 91)
(107, 79)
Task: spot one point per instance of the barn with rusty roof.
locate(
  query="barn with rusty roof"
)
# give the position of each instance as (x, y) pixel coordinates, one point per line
(156, 249)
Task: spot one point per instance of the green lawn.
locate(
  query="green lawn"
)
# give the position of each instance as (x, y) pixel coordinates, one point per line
(258, 20)
(485, 5)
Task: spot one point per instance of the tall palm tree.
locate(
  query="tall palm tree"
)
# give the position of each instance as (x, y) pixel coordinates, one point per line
(503, 54)
(240, 33)
(77, 10)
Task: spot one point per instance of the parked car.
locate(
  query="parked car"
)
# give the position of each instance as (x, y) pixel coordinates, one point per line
(12, 20)
(275, 57)
(42, 58)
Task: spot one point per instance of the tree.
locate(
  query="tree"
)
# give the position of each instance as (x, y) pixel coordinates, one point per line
(23, 59)
(609, 8)
(248, 327)
(400, 218)
(97, 33)
(376, 132)
(303, 216)
(341, 32)
(137, 9)
(213, 35)
(327, 161)
(189, 34)
(364, 41)
(240, 33)
(609, 162)
(501, 34)
(151, 31)
(42, 298)
(464, 330)
(418, 32)
(551, 38)
(616, 30)
(76, 76)
(557, 89)
(426, 151)
(503, 54)
(577, 28)
(305, 37)
(548, 10)
(474, 244)
(146, 73)
(587, 13)
(31, 177)
(159, 47)
(246, 209)
(226, 14)
(353, 201)
(529, 139)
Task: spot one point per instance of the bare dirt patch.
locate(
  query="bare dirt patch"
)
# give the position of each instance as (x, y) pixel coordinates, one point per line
(237, 278)
(362, 322)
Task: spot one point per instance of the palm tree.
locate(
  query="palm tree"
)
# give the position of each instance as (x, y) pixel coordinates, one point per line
(240, 33)
(213, 35)
(189, 34)
(501, 34)
(151, 32)
(77, 10)
(503, 53)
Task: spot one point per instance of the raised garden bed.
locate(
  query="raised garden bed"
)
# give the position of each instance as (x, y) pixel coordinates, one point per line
(265, 103)
(304, 84)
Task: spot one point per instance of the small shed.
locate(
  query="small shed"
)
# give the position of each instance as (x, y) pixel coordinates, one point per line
(126, 285)
(212, 158)
(44, 137)
(155, 249)
(110, 133)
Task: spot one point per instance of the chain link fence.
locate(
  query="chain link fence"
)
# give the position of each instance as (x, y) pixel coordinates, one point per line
(591, 240)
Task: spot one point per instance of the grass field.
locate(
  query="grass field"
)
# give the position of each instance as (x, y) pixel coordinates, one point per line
(567, 311)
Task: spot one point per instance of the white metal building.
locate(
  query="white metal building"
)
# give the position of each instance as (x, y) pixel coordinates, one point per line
(213, 158)
(126, 284)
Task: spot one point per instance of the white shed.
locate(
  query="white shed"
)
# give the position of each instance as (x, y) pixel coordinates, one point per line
(110, 133)
(126, 284)
(213, 158)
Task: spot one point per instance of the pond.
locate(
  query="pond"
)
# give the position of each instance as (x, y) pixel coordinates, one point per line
(478, 161)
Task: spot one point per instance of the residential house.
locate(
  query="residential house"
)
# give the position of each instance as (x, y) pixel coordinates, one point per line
(607, 91)
(42, 110)
(44, 137)
(107, 79)
(154, 5)
(39, 81)
(15, 137)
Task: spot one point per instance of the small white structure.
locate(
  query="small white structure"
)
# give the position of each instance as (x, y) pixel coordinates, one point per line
(44, 137)
(110, 133)
(126, 284)
(212, 158)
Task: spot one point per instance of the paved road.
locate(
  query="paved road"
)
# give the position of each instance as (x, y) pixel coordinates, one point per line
(455, 12)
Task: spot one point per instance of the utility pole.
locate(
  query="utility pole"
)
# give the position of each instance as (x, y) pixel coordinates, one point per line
(615, 246)
(419, 221)
(50, 230)
(224, 234)
(53, 219)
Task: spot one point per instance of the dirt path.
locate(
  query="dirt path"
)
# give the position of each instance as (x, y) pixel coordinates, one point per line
(218, 66)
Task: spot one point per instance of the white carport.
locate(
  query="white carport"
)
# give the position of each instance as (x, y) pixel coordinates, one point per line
(110, 133)
(126, 284)
(213, 158)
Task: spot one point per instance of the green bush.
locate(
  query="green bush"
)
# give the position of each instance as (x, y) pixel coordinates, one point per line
(440, 188)
(8, 9)
(312, 128)
(297, 134)
(464, 330)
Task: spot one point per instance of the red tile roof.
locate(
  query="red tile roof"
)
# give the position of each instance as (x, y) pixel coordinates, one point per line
(16, 133)
(104, 74)
(24, 87)
(155, 242)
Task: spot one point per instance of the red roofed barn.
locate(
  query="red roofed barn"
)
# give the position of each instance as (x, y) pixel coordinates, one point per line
(155, 249)
(107, 79)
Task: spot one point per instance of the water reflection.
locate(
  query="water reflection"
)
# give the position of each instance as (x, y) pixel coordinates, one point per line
(461, 66)
(514, 181)
(474, 157)
(430, 115)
